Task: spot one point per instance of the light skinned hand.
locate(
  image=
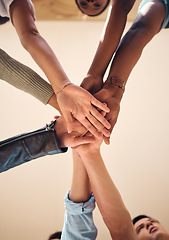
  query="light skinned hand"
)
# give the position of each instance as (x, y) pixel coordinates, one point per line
(77, 103)
(74, 138)
(88, 148)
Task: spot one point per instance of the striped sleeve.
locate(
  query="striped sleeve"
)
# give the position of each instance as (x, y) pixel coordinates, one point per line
(24, 78)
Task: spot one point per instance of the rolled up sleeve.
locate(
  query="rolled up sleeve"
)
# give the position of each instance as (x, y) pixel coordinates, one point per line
(78, 220)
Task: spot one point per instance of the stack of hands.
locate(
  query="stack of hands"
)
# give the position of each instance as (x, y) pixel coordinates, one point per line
(92, 108)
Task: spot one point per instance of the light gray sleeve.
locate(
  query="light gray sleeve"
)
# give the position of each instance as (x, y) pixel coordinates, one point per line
(78, 220)
(24, 78)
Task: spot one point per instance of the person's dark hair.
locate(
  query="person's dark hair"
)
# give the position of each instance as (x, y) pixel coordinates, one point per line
(3, 20)
(108, 1)
(136, 219)
(56, 235)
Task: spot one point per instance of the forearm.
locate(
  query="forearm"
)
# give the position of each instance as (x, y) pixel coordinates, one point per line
(145, 27)
(108, 199)
(80, 187)
(79, 204)
(34, 43)
(46, 60)
(111, 36)
(128, 54)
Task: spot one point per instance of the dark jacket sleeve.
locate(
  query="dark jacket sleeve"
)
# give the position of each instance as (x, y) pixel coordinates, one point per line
(25, 147)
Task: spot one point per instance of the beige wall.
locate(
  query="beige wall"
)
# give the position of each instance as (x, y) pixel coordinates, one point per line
(68, 10)
(31, 199)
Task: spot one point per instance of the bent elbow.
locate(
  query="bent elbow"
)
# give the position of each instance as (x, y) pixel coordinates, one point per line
(28, 37)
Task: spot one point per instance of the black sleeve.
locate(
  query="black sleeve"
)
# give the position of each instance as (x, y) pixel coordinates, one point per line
(25, 147)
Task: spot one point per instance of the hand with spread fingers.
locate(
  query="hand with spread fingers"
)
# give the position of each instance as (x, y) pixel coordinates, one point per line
(77, 103)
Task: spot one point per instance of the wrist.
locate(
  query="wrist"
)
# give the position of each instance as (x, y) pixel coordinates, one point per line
(89, 153)
(63, 87)
(115, 87)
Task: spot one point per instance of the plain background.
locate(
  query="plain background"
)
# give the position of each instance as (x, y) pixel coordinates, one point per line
(31, 195)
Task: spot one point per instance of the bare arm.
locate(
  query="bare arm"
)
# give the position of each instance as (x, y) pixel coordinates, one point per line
(79, 204)
(146, 25)
(74, 102)
(35, 44)
(112, 32)
(80, 188)
(144, 28)
(109, 42)
(109, 201)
